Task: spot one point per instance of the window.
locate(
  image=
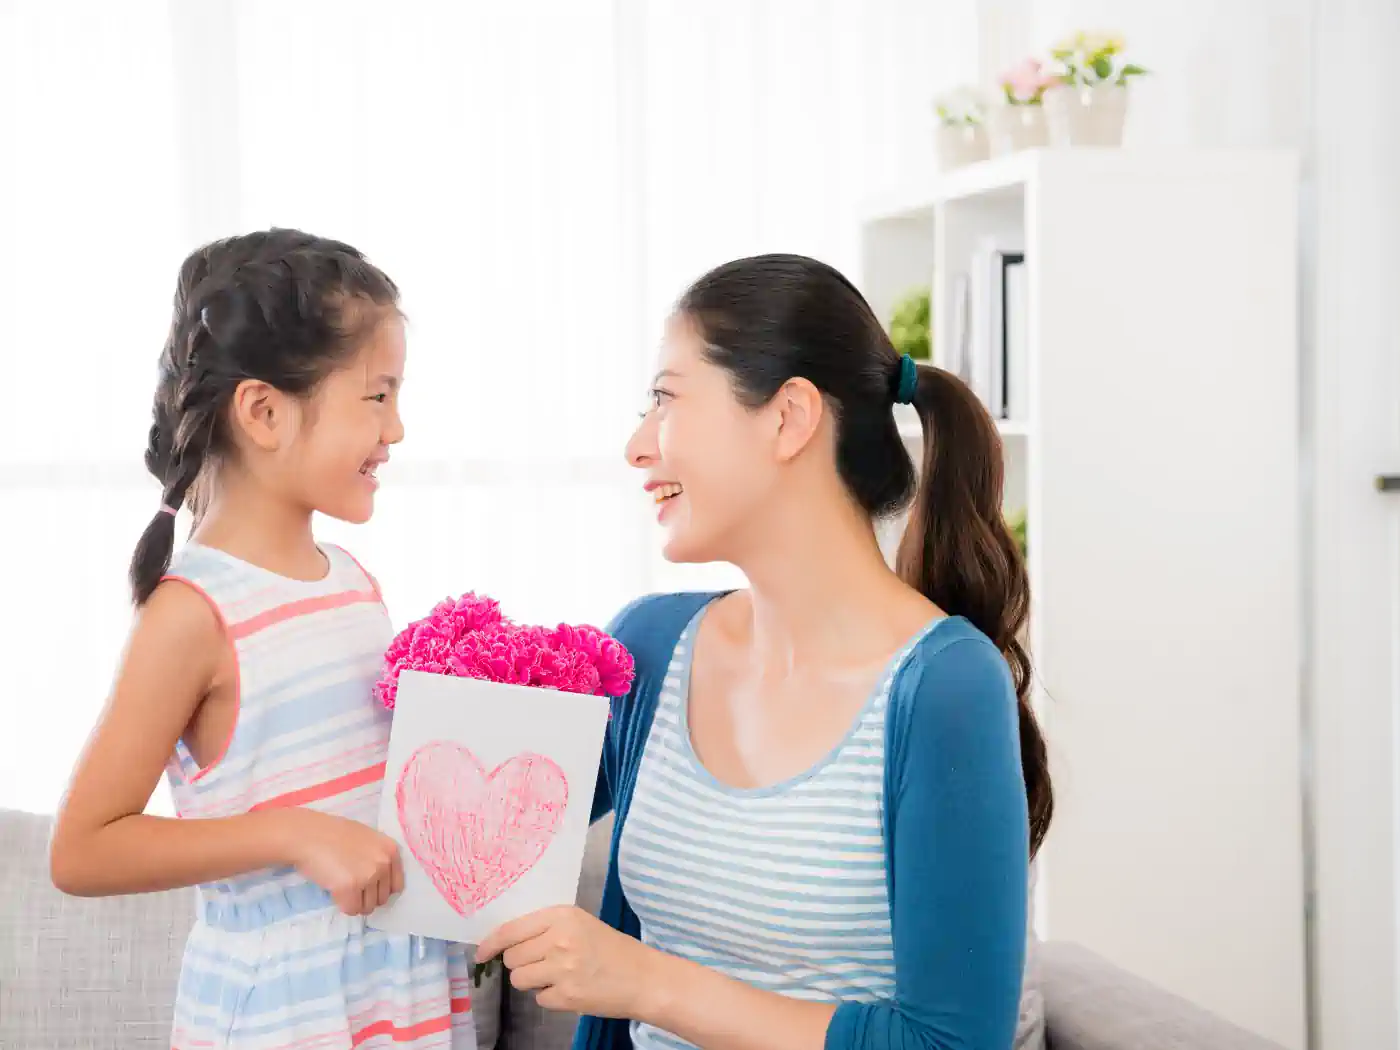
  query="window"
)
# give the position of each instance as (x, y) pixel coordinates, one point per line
(541, 179)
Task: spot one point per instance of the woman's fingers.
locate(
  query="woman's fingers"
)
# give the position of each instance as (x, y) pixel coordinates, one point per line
(526, 953)
(513, 933)
(531, 978)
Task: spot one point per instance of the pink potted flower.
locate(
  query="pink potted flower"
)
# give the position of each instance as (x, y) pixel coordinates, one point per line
(1019, 122)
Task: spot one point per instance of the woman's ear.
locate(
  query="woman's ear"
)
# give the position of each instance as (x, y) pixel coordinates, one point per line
(264, 415)
(801, 411)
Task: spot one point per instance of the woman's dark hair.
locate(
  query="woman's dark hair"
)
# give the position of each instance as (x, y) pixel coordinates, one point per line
(278, 306)
(772, 318)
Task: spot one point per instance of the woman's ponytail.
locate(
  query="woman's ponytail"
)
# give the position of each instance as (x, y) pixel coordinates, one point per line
(958, 552)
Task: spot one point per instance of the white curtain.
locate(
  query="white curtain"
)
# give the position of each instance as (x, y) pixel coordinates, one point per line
(541, 179)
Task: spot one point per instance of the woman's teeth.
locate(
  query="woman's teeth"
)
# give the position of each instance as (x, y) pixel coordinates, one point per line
(664, 492)
(368, 469)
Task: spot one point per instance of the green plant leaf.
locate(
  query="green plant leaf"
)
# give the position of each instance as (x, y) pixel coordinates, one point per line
(1103, 67)
(910, 325)
(1132, 70)
(1016, 525)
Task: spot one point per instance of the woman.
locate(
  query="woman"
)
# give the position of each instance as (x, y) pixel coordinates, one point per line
(828, 787)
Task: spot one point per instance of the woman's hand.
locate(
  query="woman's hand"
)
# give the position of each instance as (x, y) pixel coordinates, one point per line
(359, 867)
(574, 962)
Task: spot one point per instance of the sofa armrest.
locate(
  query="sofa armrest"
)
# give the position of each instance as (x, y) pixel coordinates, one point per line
(1090, 1004)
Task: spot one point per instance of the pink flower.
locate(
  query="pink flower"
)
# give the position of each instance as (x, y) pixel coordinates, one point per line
(1026, 81)
(469, 637)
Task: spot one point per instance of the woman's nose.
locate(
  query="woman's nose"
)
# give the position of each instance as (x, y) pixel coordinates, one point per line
(641, 446)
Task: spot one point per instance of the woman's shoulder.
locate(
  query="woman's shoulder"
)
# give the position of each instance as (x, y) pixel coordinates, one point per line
(953, 666)
(650, 626)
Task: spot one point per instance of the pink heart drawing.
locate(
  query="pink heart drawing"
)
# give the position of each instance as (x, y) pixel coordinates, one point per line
(476, 833)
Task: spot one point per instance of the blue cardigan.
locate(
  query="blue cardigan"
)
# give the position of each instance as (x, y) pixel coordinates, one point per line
(955, 825)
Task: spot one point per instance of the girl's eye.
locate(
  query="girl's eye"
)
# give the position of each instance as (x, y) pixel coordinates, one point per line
(381, 398)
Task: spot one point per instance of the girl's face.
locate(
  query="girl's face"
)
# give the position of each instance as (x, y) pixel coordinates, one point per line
(321, 453)
(353, 419)
(710, 462)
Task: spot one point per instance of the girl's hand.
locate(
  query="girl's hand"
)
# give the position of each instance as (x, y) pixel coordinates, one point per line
(360, 868)
(573, 961)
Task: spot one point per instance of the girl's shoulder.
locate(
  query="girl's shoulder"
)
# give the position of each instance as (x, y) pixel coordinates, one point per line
(353, 564)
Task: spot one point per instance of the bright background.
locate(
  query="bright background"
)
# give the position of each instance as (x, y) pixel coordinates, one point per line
(543, 178)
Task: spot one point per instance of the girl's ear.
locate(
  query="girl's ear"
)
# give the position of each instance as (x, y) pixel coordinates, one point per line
(264, 415)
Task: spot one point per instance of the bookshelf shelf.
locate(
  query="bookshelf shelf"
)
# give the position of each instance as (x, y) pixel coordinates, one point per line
(911, 430)
(1159, 370)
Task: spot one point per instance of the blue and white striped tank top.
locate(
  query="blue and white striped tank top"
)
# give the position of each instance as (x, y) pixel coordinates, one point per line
(782, 887)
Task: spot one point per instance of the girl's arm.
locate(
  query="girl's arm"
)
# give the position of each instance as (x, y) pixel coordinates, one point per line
(961, 853)
(104, 844)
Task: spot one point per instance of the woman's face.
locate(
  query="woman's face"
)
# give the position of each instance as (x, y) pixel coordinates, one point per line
(710, 462)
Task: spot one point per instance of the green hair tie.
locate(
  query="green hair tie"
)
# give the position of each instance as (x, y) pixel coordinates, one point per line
(908, 381)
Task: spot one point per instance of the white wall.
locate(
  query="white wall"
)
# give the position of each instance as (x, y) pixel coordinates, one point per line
(1315, 77)
(1224, 72)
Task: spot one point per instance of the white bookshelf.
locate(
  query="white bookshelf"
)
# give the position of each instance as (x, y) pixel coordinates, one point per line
(1158, 464)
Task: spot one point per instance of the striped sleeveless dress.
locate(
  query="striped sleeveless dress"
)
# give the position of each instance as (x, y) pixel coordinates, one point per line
(271, 964)
(781, 887)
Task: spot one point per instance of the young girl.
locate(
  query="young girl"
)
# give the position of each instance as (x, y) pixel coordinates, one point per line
(248, 675)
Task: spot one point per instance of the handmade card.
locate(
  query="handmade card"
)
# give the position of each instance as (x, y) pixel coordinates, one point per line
(487, 791)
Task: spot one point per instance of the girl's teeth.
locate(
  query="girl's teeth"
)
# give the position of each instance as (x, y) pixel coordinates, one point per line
(665, 492)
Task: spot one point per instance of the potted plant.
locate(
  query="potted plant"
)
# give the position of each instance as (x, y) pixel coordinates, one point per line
(960, 137)
(1018, 122)
(1089, 104)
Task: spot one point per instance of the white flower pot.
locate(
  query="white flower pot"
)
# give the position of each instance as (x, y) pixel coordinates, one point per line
(959, 144)
(1086, 116)
(1011, 128)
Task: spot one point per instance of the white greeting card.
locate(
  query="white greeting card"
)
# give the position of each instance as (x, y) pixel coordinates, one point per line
(487, 791)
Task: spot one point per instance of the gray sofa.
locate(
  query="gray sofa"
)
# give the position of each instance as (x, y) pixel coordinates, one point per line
(100, 974)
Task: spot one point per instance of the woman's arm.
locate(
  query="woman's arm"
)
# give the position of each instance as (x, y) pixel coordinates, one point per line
(961, 865)
(716, 1012)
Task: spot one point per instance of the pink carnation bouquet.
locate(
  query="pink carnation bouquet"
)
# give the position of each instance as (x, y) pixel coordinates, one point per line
(468, 637)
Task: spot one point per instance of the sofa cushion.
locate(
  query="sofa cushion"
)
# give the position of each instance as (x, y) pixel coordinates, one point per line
(89, 974)
(1093, 1005)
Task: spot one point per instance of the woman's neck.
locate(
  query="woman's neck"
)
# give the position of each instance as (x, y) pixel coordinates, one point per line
(821, 592)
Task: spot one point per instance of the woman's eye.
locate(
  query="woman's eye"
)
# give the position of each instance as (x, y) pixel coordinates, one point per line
(656, 397)
(381, 398)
